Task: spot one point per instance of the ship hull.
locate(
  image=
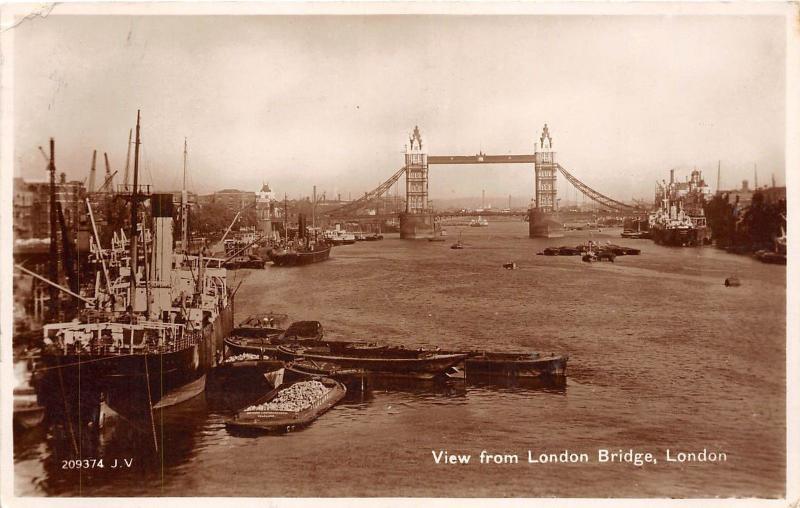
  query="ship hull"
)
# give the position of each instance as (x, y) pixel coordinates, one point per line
(678, 237)
(294, 258)
(72, 386)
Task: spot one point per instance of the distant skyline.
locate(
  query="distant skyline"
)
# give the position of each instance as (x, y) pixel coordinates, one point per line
(299, 101)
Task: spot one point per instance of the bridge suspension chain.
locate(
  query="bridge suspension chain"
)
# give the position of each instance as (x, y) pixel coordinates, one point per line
(592, 194)
(366, 198)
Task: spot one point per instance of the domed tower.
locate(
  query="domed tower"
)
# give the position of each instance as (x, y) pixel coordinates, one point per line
(264, 209)
(417, 221)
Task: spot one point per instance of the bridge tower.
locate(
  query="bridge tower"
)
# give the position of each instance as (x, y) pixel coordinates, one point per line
(417, 220)
(543, 221)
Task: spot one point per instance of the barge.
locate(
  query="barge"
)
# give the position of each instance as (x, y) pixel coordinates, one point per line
(287, 408)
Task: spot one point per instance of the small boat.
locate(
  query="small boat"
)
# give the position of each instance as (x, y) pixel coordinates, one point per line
(303, 255)
(510, 265)
(27, 411)
(732, 282)
(458, 244)
(562, 251)
(480, 222)
(245, 261)
(289, 407)
(772, 257)
(598, 255)
(264, 341)
(619, 250)
(303, 369)
(306, 333)
(568, 251)
(636, 235)
(529, 365)
(592, 252)
(399, 362)
(265, 322)
(374, 237)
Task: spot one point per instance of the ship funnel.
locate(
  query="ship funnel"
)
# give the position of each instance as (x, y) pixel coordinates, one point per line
(162, 245)
(671, 176)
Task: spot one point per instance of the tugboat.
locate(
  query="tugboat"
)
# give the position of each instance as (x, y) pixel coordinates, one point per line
(458, 244)
(297, 255)
(303, 250)
(480, 222)
(633, 228)
(680, 220)
(592, 252)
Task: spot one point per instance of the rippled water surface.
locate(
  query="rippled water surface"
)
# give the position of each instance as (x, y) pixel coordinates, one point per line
(662, 356)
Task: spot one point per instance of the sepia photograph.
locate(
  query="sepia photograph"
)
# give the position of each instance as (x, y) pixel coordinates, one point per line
(413, 250)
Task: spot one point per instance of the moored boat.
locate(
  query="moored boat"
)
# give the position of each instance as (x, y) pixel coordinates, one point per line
(302, 255)
(264, 342)
(519, 364)
(302, 368)
(399, 362)
(27, 411)
(620, 250)
(261, 324)
(287, 408)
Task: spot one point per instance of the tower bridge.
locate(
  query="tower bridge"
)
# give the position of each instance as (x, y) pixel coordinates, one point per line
(417, 220)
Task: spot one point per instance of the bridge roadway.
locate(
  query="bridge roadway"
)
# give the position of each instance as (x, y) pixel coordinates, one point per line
(481, 158)
(442, 214)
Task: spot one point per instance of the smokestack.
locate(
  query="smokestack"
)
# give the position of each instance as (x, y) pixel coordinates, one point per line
(162, 211)
(671, 176)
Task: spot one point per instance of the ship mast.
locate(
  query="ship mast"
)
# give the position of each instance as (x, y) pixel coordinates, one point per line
(134, 212)
(53, 307)
(285, 218)
(184, 206)
(128, 161)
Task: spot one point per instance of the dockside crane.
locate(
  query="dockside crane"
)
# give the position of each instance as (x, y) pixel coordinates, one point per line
(108, 184)
(92, 171)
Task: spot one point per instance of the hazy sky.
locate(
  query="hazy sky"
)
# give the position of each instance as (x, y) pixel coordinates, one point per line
(301, 100)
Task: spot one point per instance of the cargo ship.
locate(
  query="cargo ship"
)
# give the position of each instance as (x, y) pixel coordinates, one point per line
(679, 219)
(150, 331)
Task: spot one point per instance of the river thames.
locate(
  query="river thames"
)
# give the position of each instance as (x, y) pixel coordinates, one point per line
(663, 357)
